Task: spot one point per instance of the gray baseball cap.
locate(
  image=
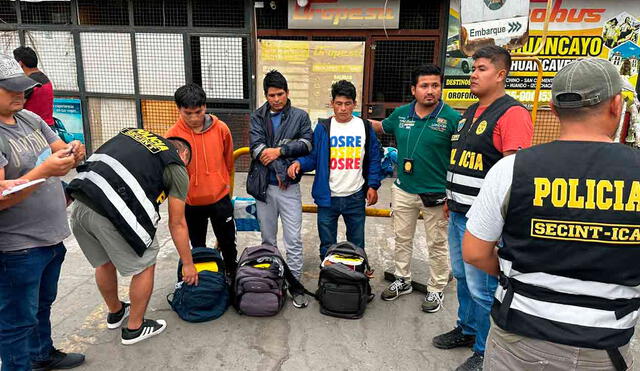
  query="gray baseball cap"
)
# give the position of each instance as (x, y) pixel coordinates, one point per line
(585, 82)
(12, 77)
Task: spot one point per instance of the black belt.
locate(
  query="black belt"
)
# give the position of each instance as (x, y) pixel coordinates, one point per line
(505, 303)
(617, 359)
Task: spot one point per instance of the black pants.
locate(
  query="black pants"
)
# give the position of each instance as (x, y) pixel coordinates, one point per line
(224, 227)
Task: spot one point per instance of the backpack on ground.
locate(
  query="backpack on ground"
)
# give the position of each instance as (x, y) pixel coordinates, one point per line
(262, 280)
(210, 298)
(260, 283)
(343, 285)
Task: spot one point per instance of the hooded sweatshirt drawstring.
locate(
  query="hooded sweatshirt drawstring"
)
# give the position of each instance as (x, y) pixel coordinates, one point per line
(195, 149)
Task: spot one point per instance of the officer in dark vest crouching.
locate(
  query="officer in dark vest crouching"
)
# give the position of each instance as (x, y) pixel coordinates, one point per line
(568, 215)
(115, 216)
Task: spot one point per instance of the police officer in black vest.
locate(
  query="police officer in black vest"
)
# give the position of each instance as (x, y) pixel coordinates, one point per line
(568, 214)
(496, 126)
(118, 192)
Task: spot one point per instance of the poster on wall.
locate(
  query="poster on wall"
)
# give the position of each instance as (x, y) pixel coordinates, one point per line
(578, 29)
(67, 116)
(310, 68)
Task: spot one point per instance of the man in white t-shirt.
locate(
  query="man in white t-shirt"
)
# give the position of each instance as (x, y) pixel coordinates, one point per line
(346, 158)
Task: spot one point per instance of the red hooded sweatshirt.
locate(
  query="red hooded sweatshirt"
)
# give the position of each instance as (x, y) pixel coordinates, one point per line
(211, 161)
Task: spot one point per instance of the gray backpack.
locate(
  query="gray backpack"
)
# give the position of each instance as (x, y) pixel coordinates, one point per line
(262, 280)
(260, 284)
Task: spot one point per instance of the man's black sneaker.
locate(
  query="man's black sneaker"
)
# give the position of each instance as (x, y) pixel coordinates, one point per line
(114, 320)
(453, 339)
(473, 363)
(148, 329)
(59, 361)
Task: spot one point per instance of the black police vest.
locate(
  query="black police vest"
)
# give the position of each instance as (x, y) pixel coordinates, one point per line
(570, 271)
(473, 153)
(124, 179)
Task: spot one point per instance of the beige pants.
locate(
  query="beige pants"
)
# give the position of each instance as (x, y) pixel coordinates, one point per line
(507, 351)
(406, 209)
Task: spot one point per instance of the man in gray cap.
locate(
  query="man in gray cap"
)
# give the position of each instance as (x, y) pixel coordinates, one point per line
(568, 215)
(33, 225)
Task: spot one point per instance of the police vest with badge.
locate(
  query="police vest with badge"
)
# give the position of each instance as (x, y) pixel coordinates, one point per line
(473, 153)
(124, 179)
(571, 239)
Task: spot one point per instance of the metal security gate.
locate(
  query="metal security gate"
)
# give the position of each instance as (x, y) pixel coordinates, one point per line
(124, 58)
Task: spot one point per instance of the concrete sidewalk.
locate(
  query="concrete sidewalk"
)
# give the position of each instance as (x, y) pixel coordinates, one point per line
(391, 336)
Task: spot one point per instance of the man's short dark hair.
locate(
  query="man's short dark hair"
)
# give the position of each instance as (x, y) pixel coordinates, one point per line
(274, 79)
(27, 56)
(190, 96)
(500, 57)
(343, 88)
(182, 146)
(425, 70)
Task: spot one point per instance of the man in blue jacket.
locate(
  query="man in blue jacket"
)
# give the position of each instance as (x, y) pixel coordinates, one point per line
(346, 158)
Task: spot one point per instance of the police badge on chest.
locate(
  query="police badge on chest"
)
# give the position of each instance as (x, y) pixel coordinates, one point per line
(407, 166)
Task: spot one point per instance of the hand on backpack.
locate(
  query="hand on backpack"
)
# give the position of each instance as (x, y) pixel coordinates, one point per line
(190, 274)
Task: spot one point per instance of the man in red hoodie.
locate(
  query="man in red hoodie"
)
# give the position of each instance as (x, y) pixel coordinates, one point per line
(209, 172)
(39, 99)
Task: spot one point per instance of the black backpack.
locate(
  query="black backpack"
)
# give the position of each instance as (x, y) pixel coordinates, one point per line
(210, 298)
(343, 286)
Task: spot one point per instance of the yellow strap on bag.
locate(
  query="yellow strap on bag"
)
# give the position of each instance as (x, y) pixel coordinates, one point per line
(206, 266)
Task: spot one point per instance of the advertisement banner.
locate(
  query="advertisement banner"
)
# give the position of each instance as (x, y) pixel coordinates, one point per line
(578, 29)
(344, 14)
(310, 68)
(67, 116)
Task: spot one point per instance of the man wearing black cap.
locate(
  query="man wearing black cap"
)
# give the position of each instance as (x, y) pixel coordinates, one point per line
(33, 225)
(568, 215)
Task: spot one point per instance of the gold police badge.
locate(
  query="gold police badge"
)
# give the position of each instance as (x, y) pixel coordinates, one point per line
(482, 126)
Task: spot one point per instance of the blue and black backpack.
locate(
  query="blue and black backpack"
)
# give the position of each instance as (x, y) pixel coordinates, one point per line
(210, 298)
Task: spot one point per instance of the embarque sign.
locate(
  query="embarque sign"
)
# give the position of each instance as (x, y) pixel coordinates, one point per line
(577, 29)
(500, 22)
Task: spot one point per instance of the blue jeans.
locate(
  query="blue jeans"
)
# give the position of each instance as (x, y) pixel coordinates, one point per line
(475, 287)
(28, 287)
(352, 209)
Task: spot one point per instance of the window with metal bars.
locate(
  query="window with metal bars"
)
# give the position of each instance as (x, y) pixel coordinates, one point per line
(8, 11)
(46, 12)
(218, 13)
(160, 63)
(238, 124)
(107, 72)
(219, 65)
(420, 14)
(393, 62)
(165, 13)
(268, 18)
(103, 12)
